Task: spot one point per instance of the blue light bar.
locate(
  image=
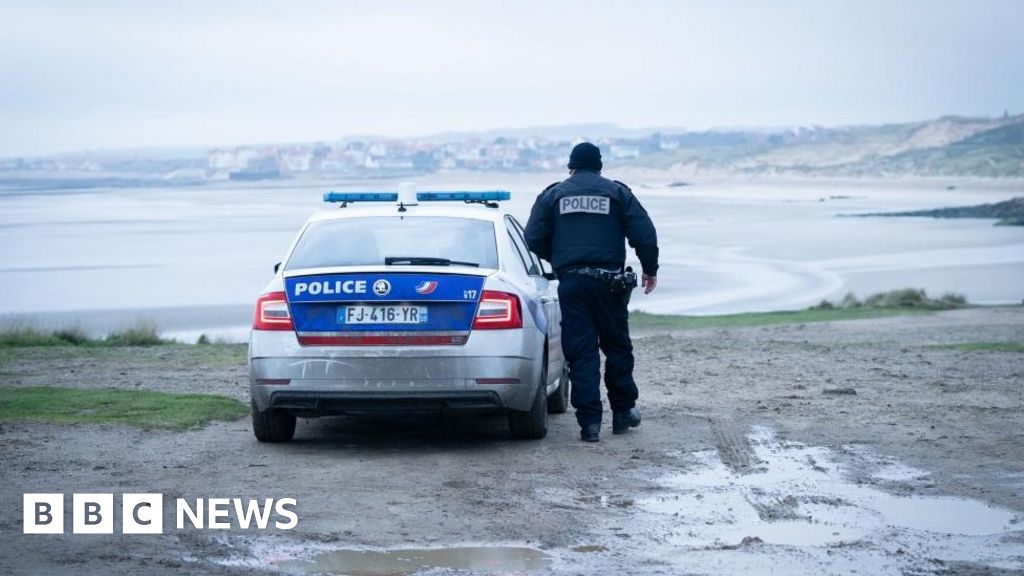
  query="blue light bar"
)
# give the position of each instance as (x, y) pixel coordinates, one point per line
(491, 196)
(360, 196)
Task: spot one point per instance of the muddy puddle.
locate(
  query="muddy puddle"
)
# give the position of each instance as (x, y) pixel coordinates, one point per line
(806, 507)
(403, 562)
(788, 509)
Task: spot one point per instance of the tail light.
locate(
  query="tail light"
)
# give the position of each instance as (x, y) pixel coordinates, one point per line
(272, 313)
(498, 311)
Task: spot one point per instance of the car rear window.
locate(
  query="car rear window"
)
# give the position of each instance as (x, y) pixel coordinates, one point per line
(367, 241)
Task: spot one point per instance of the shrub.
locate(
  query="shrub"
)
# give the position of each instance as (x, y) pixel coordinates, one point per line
(142, 334)
(954, 299)
(74, 336)
(850, 301)
(904, 298)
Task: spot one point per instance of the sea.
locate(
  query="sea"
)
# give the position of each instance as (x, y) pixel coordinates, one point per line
(193, 259)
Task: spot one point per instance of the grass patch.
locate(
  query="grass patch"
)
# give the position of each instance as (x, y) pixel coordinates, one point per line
(141, 334)
(881, 305)
(142, 408)
(984, 346)
(643, 321)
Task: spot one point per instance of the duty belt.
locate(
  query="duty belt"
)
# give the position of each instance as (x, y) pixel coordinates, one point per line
(599, 273)
(619, 282)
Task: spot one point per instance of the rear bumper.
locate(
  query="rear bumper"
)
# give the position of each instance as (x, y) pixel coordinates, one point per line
(487, 374)
(328, 402)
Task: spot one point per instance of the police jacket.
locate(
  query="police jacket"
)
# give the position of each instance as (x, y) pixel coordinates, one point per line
(586, 220)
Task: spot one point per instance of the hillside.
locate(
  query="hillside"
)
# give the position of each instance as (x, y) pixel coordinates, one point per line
(949, 146)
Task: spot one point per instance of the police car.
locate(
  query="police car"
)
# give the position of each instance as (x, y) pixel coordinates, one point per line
(409, 302)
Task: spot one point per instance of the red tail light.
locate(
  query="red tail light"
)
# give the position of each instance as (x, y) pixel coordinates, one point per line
(272, 313)
(498, 311)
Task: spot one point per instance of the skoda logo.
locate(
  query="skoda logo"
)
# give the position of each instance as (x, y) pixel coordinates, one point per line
(382, 287)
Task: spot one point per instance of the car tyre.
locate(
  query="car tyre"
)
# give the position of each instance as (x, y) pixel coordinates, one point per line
(558, 402)
(271, 426)
(534, 423)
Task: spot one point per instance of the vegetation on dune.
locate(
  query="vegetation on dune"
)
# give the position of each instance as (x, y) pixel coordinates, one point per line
(143, 333)
(944, 147)
(883, 304)
(895, 299)
(140, 408)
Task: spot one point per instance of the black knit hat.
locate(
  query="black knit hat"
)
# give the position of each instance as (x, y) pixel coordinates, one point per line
(585, 156)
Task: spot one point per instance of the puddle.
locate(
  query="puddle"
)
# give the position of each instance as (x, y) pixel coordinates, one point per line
(402, 562)
(806, 498)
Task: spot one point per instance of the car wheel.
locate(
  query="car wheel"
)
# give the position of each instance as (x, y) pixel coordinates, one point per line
(558, 403)
(271, 426)
(532, 424)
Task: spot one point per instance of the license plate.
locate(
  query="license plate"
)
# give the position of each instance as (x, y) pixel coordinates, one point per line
(382, 314)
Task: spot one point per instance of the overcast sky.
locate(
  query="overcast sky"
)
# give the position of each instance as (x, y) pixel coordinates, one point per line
(95, 74)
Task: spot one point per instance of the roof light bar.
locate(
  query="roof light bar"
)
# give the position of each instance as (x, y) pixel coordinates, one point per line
(489, 196)
(360, 196)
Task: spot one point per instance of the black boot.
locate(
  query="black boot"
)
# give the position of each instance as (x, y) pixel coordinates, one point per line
(623, 421)
(590, 433)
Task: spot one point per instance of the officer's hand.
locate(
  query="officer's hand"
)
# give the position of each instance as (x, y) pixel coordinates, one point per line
(648, 282)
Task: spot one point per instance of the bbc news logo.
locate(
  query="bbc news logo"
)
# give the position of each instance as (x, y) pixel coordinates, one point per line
(144, 513)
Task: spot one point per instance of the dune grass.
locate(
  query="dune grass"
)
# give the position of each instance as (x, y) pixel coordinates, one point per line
(140, 408)
(984, 346)
(143, 333)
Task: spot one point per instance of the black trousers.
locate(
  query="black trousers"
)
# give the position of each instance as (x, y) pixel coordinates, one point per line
(595, 319)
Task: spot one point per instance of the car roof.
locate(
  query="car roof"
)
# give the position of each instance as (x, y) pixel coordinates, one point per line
(435, 209)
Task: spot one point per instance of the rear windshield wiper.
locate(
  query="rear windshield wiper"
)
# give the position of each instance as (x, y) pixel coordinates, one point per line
(426, 261)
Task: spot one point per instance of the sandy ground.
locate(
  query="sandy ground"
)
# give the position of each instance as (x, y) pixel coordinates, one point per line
(847, 447)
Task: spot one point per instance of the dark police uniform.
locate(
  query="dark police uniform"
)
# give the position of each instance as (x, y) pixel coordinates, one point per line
(582, 224)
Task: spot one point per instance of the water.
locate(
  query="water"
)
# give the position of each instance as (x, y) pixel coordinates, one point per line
(178, 253)
(402, 562)
(802, 496)
(808, 510)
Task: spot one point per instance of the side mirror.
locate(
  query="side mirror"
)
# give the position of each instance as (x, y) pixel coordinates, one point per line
(550, 276)
(277, 267)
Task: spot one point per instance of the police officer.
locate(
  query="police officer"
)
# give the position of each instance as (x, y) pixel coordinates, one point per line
(581, 225)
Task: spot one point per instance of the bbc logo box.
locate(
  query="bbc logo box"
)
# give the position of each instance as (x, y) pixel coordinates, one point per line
(93, 513)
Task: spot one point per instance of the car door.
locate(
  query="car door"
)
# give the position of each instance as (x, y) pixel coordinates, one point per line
(547, 293)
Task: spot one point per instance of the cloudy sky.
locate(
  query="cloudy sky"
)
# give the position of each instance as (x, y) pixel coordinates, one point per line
(101, 74)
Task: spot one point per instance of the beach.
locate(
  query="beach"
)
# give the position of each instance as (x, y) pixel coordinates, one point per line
(194, 259)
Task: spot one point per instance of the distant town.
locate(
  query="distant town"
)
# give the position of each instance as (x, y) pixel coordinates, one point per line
(410, 156)
(354, 158)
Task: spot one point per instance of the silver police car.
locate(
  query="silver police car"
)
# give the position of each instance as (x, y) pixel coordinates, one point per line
(408, 302)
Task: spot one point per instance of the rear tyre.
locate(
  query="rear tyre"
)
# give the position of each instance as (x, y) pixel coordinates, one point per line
(271, 426)
(532, 424)
(558, 402)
